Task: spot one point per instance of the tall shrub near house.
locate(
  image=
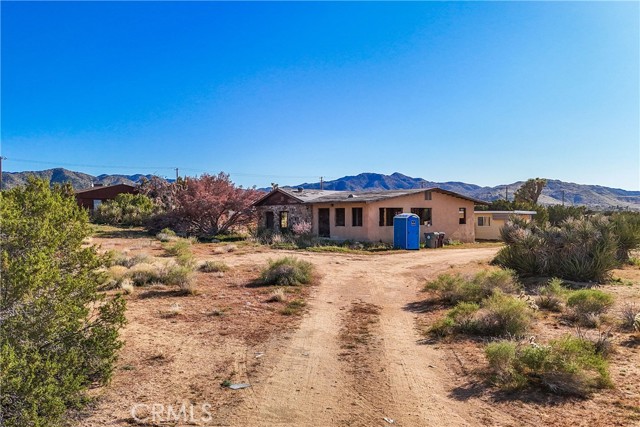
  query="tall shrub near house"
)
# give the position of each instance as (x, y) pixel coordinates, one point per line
(125, 209)
(58, 335)
(585, 249)
(206, 206)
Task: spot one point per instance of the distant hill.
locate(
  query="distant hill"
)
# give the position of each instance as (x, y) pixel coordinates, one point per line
(78, 180)
(593, 196)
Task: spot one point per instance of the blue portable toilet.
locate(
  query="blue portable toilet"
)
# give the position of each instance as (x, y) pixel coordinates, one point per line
(406, 231)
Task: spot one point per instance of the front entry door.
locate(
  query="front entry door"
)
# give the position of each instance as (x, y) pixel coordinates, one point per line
(323, 222)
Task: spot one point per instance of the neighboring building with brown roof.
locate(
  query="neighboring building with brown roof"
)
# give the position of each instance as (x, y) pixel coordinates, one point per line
(368, 215)
(91, 198)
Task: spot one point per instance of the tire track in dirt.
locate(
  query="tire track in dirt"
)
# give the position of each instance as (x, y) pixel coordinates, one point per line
(308, 383)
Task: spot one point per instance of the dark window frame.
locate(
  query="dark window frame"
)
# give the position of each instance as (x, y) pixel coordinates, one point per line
(356, 218)
(269, 220)
(341, 220)
(462, 215)
(425, 214)
(386, 216)
(427, 195)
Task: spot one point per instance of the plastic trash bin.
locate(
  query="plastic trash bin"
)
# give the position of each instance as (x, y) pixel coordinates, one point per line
(430, 240)
(440, 240)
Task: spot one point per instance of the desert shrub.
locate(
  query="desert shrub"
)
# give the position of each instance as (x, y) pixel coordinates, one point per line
(456, 288)
(180, 276)
(178, 247)
(127, 286)
(460, 319)
(145, 274)
(578, 249)
(630, 317)
(125, 209)
(626, 226)
(166, 235)
(128, 262)
(504, 315)
(277, 296)
(587, 304)
(568, 365)
(53, 345)
(214, 267)
(552, 295)
(287, 271)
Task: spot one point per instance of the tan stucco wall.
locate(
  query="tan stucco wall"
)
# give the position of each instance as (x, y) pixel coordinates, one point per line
(444, 218)
(492, 232)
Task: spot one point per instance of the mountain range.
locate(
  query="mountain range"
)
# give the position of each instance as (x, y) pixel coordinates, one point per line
(593, 196)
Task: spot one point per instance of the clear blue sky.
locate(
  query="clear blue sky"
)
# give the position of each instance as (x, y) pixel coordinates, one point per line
(486, 93)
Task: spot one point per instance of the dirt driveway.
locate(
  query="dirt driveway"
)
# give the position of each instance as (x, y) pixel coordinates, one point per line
(309, 380)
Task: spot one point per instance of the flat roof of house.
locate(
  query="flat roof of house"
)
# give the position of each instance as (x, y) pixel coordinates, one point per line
(332, 196)
(509, 212)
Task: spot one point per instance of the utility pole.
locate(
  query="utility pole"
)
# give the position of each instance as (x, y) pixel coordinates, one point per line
(177, 174)
(562, 197)
(506, 193)
(321, 183)
(1, 159)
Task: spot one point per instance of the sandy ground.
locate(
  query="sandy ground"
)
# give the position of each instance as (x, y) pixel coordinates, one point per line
(356, 356)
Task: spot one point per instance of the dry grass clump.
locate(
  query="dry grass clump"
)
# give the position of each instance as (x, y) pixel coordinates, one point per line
(144, 274)
(630, 317)
(453, 289)
(173, 311)
(166, 235)
(287, 271)
(293, 307)
(587, 305)
(214, 267)
(128, 262)
(277, 296)
(127, 286)
(568, 365)
(552, 296)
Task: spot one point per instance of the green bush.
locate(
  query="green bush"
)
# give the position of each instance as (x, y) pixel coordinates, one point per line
(125, 209)
(566, 366)
(214, 267)
(578, 249)
(455, 288)
(179, 247)
(552, 295)
(504, 315)
(587, 304)
(287, 271)
(53, 346)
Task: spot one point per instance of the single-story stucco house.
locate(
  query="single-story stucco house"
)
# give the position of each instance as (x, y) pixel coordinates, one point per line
(489, 223)
(367, 216)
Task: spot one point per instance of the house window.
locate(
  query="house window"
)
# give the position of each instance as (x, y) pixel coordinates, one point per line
(462, 215)
(427, 195)
(484, 221)
(424, 214)
(96, 203)
(356, 217)
(268, 220)
(387, 214)
(340, 217)
(284, 220)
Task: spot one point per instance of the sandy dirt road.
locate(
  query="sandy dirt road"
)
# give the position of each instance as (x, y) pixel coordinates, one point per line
(306, 382)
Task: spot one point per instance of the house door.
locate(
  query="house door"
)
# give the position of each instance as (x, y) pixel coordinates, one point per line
(269, 220)
(323, 222)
